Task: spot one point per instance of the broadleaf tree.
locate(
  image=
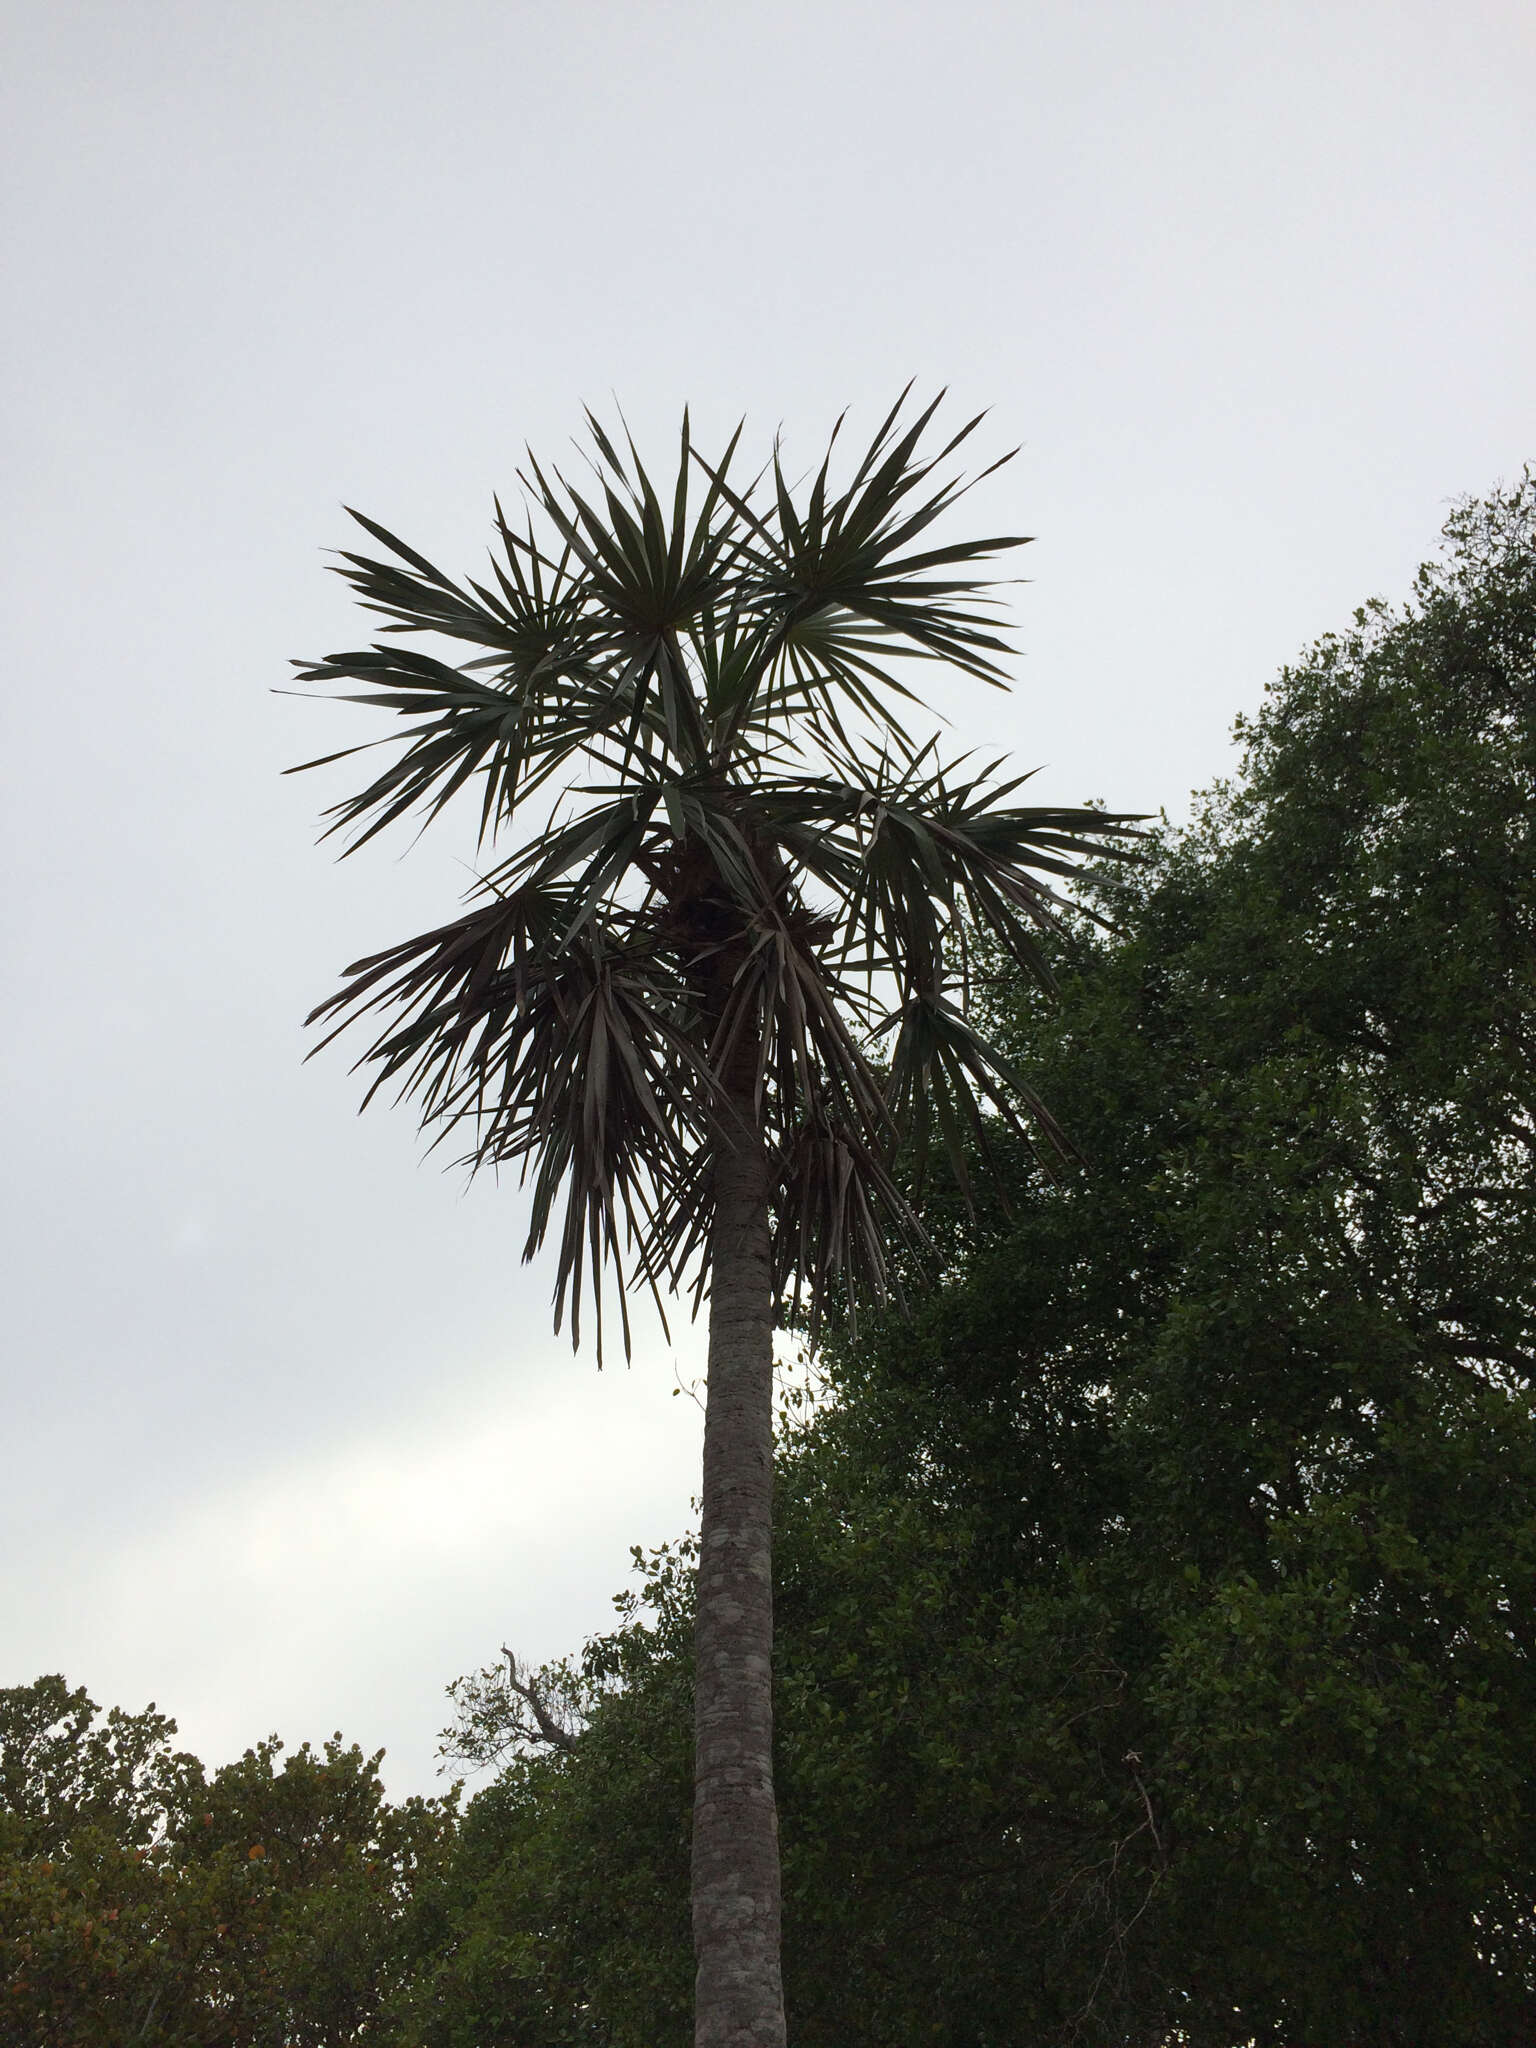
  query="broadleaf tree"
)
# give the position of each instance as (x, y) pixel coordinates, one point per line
(144, 1899)
(709, 995)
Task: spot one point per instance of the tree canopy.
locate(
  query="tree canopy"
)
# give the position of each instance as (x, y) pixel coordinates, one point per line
(1156, 1656)
(749, 852)
(145, 1900)
(1155, 1636)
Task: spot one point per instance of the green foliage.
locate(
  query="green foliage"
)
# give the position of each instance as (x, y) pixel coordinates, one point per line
(1157, 1664)
(1155, 1604)
(567, 1897)
(142, 1901)
(61, 1771)
(752, 867)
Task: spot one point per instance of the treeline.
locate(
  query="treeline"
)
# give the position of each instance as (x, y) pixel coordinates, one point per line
(1155, 1604)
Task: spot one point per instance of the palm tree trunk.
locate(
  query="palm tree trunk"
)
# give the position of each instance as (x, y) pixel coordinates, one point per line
(739, 1999)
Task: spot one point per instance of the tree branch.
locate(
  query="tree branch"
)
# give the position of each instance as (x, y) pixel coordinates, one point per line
(550, 1728)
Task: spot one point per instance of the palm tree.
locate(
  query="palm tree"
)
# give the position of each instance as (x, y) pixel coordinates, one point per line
(706, 997)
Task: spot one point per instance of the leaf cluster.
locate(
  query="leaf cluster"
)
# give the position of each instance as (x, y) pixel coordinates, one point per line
(752, 894)
(145, 1900)
(1155, 1657)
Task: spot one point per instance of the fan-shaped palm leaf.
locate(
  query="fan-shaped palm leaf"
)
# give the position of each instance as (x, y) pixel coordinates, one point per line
(705, 1005)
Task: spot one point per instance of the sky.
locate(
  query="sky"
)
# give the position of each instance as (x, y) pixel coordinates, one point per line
(288, 1440)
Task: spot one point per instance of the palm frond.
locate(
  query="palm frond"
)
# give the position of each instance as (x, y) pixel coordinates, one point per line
(751, 852)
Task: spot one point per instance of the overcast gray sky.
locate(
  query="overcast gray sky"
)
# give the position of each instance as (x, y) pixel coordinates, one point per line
(288, 1442)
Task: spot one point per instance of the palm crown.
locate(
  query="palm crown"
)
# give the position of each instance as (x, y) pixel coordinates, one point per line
(753, 875)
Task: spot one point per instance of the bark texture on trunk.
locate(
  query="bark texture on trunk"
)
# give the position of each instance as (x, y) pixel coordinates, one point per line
(739, 1999)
